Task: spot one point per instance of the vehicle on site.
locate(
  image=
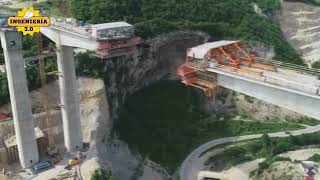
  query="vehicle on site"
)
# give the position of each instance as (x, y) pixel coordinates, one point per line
(41, 166)
(54, 154)
(72, 162)
(56, 159)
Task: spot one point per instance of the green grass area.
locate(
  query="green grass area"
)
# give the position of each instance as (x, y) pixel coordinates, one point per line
(166, 121)
(265, 147)
(245, 127)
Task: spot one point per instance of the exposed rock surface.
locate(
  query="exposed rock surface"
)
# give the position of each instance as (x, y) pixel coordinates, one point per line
(289, 170)
(96, 124)
(300, 23)
(158, 60)
(261, 50)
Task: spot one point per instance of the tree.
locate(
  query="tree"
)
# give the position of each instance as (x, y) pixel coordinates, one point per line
(227, 18)
(316, 65)
(80, 9)
(4, 90)
(282, 146)
(87, 66)
(315, 158)
(102, 175)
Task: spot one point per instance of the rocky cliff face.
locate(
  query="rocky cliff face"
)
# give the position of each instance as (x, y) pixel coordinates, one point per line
(95, 123)
(158, 59)
(300, 24)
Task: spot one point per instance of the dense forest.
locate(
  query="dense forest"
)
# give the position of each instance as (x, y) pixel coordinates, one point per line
(228, 19)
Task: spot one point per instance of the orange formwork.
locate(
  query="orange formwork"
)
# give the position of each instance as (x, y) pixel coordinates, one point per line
(189, 76)
(234, 55)
(226, 55)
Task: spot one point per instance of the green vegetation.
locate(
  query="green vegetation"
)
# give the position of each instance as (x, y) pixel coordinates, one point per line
(247, 127)
(226, 19)
(32, 70)
(165, 121)
(249, 99)
(229, 158)
(316, 65)
(265, 147)
(305, 121)
(161, 122)
(4, 91)
(89, 66)
(102, 175)
(315, 158)
(315, 2)
(86, 66)
(269, 161)
(33, 78)
(267, 164)
(8, 9)
(57, 8)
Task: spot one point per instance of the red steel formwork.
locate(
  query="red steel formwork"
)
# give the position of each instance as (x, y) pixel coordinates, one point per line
(229, 56)
(192, 77)
(118, 47)
(234, 55)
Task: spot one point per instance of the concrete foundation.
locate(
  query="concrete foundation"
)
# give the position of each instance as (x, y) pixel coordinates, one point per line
(22, 115)
(69, 99)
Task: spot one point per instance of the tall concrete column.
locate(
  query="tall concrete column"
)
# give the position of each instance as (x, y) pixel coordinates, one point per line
(20, 101)
(70, 100)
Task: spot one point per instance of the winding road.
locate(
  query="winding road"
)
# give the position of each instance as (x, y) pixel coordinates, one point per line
(192, 165)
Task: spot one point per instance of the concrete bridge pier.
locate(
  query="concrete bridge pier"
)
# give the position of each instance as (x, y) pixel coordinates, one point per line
(70, 99)
(20, 101)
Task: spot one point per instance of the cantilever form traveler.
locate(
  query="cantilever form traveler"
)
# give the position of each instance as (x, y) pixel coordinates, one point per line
(227, 64)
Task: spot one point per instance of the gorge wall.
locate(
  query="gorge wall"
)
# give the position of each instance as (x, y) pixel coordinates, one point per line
(158, 59)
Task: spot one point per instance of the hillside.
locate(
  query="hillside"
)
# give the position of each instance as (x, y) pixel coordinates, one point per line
(250, 20)
(300, 24)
